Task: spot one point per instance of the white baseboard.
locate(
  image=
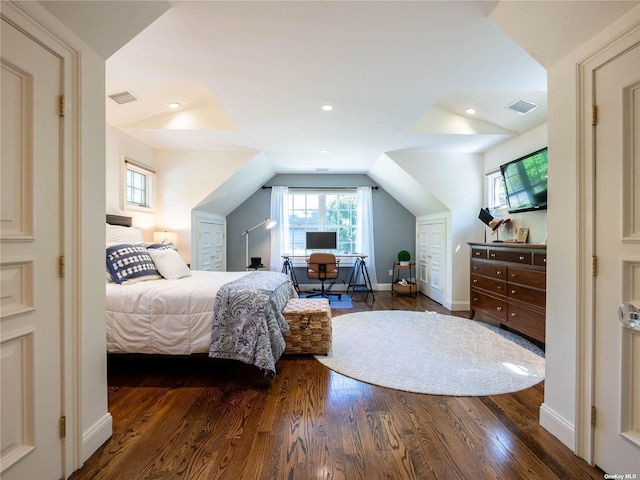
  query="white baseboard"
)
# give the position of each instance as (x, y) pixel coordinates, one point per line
(558, 426)
(95, 436)
(457, 306)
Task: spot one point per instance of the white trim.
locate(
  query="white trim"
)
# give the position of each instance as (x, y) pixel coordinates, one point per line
(96, 435)
(558, 426)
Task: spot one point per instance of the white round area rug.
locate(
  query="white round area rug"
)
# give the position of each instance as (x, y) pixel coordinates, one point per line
(431, 353)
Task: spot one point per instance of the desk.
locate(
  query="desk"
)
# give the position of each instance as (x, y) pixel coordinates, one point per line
(359, 280)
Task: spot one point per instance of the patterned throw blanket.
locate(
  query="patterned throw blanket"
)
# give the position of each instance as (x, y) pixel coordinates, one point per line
(248, 321)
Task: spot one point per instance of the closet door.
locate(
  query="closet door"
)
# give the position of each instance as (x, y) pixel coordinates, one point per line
(211, 246)
(30, 238)
(431, 237)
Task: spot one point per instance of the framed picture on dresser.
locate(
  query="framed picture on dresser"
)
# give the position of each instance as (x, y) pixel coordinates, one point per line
(523, 234)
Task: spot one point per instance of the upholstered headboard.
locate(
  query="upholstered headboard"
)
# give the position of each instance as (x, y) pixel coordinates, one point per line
(119, 220)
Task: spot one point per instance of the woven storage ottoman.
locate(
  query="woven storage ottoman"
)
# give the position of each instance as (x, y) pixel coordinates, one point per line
(309, 321)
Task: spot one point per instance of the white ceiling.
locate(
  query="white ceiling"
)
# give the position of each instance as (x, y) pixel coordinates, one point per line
(267, 68)
(254, 75)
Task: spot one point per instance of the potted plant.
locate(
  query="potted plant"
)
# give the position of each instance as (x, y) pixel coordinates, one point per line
(403, 257)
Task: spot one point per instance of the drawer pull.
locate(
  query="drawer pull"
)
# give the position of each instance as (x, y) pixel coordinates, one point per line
(493, 254)
(544, 260)
(475, 280)
(477, 254)
(499, 309)
(521, 257)
(475, 268)
(499, 287)
(513, 291)
(475, 299)
(513, 275)
(498, 272)
(514, 314)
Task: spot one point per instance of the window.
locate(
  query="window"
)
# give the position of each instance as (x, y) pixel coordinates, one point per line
(496, 193)
(324, 211)
(138, 185)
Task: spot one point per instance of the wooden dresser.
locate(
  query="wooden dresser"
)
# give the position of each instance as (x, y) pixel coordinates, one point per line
(509, 284)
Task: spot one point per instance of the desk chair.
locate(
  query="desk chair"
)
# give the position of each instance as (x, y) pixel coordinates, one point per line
(322, 266)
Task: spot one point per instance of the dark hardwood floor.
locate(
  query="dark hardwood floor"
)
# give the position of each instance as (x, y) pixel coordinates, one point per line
(197, 418)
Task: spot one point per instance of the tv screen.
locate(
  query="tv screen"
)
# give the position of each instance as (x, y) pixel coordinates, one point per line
(321, 241)
(525, 181)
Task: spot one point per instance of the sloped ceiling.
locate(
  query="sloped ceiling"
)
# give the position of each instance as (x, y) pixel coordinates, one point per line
(399, 74)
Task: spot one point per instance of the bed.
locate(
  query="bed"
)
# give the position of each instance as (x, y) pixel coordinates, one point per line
(227, 315)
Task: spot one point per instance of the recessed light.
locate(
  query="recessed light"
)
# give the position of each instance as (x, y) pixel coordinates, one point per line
(327, 108)
(324, 150)
(470, 110)
(174, 105)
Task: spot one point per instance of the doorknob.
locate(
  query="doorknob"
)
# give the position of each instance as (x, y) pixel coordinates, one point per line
(629, 315)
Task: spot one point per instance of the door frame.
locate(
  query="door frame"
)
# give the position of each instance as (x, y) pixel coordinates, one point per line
(30, 23)
(585, 163)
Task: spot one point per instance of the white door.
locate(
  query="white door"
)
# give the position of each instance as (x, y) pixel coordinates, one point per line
(30, 308)
(617, 245)
(430, 261)
(211, 246)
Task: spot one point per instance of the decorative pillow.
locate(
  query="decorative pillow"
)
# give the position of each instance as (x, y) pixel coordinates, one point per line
(162, 246)
(169, 263)
(130, 263)
(117, 234)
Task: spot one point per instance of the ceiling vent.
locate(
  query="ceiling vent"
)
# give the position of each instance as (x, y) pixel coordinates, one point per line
(123, 97)
(522, 106)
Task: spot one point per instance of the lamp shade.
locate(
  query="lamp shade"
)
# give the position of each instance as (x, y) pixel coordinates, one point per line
(165, 237)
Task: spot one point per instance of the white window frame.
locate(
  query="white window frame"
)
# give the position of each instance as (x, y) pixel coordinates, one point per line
(149, 175)
(490, 183)
(322, 194)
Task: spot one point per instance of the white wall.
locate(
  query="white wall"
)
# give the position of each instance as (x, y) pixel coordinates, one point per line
(120, 145)
(456, 180)
(186, 178)
(505, 152)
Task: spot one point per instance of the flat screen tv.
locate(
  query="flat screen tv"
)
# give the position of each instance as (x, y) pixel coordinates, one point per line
(525, 181)
(321, 241)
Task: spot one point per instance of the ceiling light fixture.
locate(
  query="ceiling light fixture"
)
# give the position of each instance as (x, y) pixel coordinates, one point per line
(327, 108)
(324, 150)
(174, 105)
(470, 111)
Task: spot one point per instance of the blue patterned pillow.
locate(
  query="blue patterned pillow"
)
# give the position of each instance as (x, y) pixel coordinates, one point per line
(130, 263)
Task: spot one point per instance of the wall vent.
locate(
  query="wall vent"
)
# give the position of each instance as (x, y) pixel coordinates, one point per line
(522, 106)
(123, 97)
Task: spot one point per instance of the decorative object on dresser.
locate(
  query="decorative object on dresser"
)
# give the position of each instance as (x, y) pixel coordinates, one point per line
(508, 284)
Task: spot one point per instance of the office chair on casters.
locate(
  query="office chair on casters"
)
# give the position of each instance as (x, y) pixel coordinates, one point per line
(322, 266)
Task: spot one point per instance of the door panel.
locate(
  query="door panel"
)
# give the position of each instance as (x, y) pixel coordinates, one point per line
(212, 246)
(617, 244)
(431, 258)
(30, 306)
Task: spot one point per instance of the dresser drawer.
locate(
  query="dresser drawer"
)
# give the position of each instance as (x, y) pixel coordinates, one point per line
(540, 259)
(529, 278)
(510, 256)
(527, 295)
(491, 306)
(489, 270)
(479, 253)
(526, 321)
(493, 285)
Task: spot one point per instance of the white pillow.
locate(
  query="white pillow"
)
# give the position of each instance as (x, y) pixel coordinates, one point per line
(117, 234)
(169, 263)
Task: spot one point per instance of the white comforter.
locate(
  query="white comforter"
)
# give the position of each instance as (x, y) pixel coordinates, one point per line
(169, 317)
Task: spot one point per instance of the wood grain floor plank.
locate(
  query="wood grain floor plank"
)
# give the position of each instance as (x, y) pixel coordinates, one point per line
(199, 419)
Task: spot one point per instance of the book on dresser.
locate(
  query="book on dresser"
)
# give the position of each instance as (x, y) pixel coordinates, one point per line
(508, 283)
